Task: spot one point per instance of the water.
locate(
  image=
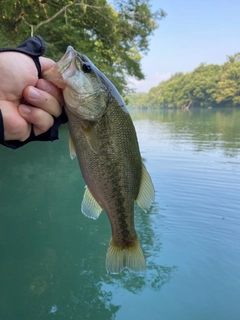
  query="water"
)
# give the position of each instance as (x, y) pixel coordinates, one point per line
(53, 258)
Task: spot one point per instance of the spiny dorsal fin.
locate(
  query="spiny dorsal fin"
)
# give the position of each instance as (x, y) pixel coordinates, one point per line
(119, 258)
(91, 137)
(146, 192)
(72, 149)
(90, 207)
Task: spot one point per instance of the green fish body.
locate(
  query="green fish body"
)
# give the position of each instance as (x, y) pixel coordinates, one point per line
(104, 139)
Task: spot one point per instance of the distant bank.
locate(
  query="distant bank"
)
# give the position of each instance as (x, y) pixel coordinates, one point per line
(207, 86)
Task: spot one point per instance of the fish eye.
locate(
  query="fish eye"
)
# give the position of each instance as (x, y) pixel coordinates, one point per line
(86, 68)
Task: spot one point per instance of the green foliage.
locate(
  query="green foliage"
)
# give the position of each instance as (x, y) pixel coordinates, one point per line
(113, 36)
(207, 86)
(229, 84)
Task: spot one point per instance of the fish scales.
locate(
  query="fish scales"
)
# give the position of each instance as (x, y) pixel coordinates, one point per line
(103, 137)
(113, 176)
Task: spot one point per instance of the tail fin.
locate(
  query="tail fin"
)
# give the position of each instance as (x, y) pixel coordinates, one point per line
(118, 258)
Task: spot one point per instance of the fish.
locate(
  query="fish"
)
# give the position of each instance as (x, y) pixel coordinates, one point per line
(104, 139)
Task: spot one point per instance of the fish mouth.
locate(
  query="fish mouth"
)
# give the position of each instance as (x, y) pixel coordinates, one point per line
(69, 56)
(64, 68)
(70, 53)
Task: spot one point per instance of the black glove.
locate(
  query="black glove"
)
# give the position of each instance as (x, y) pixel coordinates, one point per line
(33, 47)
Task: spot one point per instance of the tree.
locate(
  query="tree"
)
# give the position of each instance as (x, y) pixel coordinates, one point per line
(234, 58)
(229, 84)
(207, 85)
(113, 36)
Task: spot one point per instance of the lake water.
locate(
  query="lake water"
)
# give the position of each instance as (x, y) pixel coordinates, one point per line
(52, 257)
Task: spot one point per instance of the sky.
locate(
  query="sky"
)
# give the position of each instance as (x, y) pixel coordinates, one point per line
(194, 31)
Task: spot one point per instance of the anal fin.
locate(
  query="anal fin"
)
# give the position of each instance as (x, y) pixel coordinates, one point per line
(146, 191)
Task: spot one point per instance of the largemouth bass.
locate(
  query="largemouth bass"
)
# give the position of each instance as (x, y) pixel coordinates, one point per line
(103, 137)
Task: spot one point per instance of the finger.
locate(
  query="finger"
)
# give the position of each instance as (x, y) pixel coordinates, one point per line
(46, 63)
(15, 127)
(44, 85)
(42, 100)
(42, 121)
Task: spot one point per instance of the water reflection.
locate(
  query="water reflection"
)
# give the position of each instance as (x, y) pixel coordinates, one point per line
(156, 274)
(52, 257)
(216, 128)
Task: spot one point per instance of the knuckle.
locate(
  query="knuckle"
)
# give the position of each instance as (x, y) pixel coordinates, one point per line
(51, 89)
(44, 85)
(16, 130)
(51, 105)
(43, 121)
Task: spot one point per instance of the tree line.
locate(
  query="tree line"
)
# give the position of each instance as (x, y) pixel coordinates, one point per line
(207, 86)
(114, 35)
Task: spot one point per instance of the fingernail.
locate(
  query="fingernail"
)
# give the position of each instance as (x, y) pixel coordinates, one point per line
(24, 109)
(33, 93)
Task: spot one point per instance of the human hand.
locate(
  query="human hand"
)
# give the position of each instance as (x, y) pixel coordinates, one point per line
(25, 100)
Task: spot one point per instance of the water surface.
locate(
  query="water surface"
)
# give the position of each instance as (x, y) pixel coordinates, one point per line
(52, 258)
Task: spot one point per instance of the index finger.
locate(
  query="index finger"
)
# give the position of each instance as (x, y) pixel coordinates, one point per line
(41, 99)
(50, 88)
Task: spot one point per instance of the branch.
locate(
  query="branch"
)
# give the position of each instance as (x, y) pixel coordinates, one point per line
(186, 107)
(30, 25)
(55, 15)
(64, 9)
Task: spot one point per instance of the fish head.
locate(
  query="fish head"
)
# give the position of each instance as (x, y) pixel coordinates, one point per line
(84, 90)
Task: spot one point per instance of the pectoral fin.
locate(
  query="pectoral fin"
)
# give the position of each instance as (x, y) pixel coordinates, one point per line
(91, 137)
(90, 207)
(146, 192)
(72, 149)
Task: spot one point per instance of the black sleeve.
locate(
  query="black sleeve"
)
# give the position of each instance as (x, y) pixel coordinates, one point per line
(50, 135)
(33, 47)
